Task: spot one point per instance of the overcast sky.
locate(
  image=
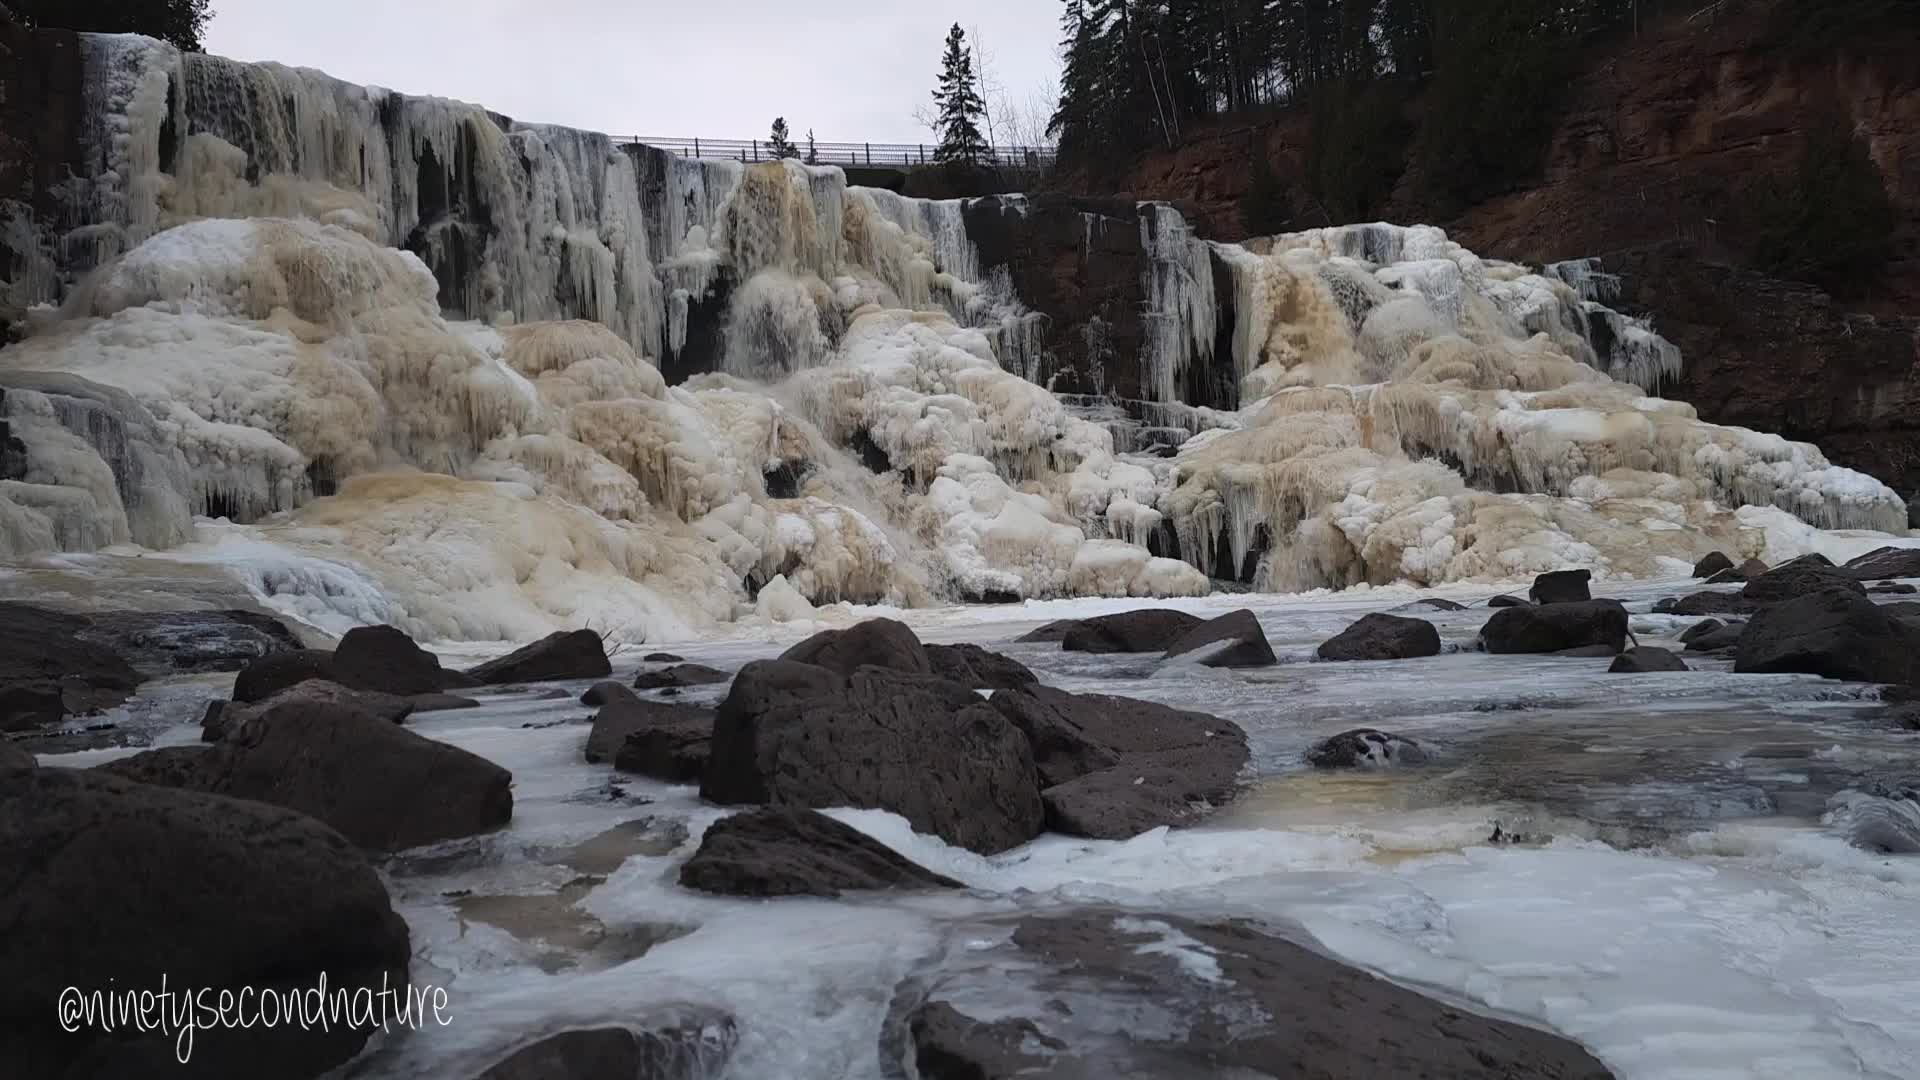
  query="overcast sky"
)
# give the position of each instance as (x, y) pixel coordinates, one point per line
(852, 70)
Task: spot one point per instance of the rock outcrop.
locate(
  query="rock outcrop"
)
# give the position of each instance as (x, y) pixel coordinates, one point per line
(1233, 640)
(1382, 637)
(1834, 632)
(567, 654)
(780, 851)
(116, 884)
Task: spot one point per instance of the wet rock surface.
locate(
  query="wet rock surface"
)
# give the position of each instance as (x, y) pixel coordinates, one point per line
(379, 785)
(1837, 633)
(48, 672)
(116, 883)
(571, 654)
(689, 1047)
(1204, 999)
(1144, 630)
(1366, 748)
(1382, 637)
(680, 676)
(930, 750)
(781, 851)
(1233, 640)
(1646, 659)
(971, 665)
(1552, 628)
(1561, 587)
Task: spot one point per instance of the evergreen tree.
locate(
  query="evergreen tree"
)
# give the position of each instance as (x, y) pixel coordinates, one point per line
(778, 144)
(177, 22)
(959, 104)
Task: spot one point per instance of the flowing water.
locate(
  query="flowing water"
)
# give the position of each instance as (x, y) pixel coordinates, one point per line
(1638, 861)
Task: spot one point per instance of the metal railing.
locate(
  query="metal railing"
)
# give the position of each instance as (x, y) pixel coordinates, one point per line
(908, 155)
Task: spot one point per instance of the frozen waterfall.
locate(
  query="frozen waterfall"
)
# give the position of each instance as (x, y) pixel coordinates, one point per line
(481, 379)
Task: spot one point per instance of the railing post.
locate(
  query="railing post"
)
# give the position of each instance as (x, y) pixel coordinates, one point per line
(869, 147)
(756, 150)
(696, 146)
(923, 153)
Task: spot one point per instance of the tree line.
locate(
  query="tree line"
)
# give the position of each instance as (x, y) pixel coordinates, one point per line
(1139, 73)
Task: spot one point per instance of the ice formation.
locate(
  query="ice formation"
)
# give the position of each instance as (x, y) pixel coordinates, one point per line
(481, 379)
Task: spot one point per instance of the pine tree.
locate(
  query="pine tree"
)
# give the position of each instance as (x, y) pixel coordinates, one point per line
(958, 100)
(178, 22)
(778, 144)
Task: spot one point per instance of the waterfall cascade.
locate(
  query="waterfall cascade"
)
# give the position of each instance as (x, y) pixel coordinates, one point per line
(418, 357)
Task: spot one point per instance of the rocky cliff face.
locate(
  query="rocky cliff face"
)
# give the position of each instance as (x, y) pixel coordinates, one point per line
(1661, 135)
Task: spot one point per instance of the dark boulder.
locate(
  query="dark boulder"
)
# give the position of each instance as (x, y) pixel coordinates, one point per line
(930, 750)
(1051, 633)
(1886, 562)
(1561, 587)
(14, 756)
(269, 675)
(1383, 637)
(680, 675)
(1836, 633)
(1503, 600)
(184, 642)
(1739, 575)
(1548, 628)
(1646, 659)
(1233, 640)
(426, 703)
(1709, 603)
(1718, 639)
(692, 1045)
(971, 665)
(219, 723)
(782, 851)
(48, 673)
(606, 693)
(1891, 588)
(170, 767)
(1699, 630)
(568, 654)
(620, 718)
(674, 748)
(885, 643)
(115, 884)
(385, 659)
(1809, 573)
(1113, 767)
(380, 785)
(1433, 603)
(1228, 998)
(1143, 630)
(1365, 748)
(1712, 564)
(662, 658)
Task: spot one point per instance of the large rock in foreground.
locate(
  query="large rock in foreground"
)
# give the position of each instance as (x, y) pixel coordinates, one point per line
(111, 885)
(1837, 633)
(1295, 1013)
(1233, 640)
(1549, 628)
(48, 672)
(780, 851)
(381, 786)
(1113, 767)
(1383, 637)
(692, 1046)
(569, 654)
(930, 750)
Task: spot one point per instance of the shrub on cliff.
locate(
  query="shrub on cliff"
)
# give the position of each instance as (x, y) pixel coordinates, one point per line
(178, 22)
(1267, 207)
(1829, 221)
(1358, 149)
(1502, 67)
